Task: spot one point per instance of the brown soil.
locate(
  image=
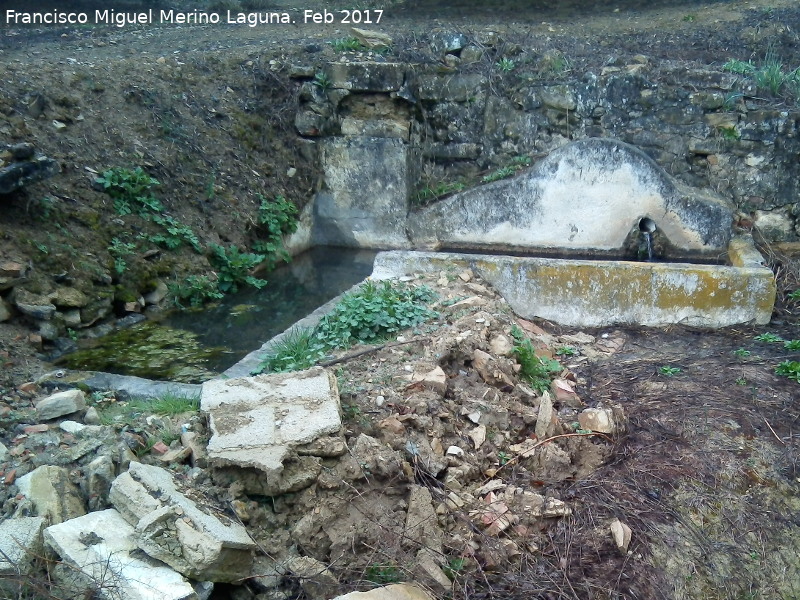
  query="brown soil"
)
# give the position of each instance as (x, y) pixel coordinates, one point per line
(706, 474)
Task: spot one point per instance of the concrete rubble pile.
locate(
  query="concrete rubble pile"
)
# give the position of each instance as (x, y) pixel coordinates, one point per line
(431, 448)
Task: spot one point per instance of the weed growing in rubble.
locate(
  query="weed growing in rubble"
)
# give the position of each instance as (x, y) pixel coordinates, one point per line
(298, 349)
(374, 312)
(382, 574)
(168, 404)
(537, 370)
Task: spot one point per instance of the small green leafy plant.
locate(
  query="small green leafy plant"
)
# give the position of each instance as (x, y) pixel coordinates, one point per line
(175, 234)
(506, 64)
(347, 44)
(276, 218)
(382, 574)
(299, 349)
(739, 67)
(794, 296)
(374, 312)
(439, 190)
(790, 369)
(233, 268)
(769, 337)
(769, 75)
(501, 173)
(517, 163)
(729, 133)
(668, 371)
(538, 371)
(196, 290)
(322, 81)
(792, 344)
(566, 351)
(741, 353)
(453, 567)
(119, 250)
(130, 189)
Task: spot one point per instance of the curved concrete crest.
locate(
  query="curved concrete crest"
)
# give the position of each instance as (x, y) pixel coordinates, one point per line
(588, 195)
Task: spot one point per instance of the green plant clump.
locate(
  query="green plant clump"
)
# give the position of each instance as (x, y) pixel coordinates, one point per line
(382, 574)
(276, 219)
(430, 193)
(322, 81)
(347, 44)
(299, 349)
(196, 290)
(537, 370)
(517, 163)
(668, 371)
(374, 312)
(792, 344)
(790, 369)
(234, 267)
(506, 64)
(119, 250)
(769, 337)
(176, 233)
(130, 189)
(769, 75)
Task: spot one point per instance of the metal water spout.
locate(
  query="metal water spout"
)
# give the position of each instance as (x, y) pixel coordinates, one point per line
(647, 227)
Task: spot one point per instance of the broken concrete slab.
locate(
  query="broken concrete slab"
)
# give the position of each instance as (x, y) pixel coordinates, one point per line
(597, 419)
(422, 526)
(315, 578)
(428, 570)
(396, 591)
(172, 528)
(100, 548)
(258, 422)
(20, 543)
(52, 493)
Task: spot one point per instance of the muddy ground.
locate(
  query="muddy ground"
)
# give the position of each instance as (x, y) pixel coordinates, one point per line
(705, 473)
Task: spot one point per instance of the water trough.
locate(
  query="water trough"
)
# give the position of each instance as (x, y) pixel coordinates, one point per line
(606, 237)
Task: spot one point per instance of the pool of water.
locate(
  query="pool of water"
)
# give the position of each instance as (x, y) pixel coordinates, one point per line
(193, 345)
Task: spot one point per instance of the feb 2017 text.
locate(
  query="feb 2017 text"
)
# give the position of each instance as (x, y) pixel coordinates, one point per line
(194, 17)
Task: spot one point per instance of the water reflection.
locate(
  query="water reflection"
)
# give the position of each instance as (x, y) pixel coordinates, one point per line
(220, 335)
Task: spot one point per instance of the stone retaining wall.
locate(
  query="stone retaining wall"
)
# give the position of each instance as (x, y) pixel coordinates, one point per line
(706, 128)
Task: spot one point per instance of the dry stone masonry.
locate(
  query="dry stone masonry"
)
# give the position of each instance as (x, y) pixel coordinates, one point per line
(421, 127)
